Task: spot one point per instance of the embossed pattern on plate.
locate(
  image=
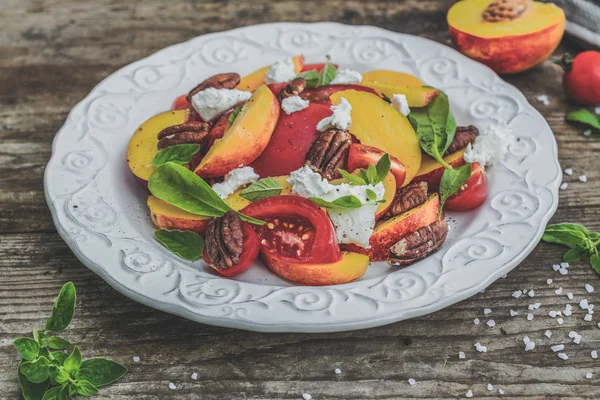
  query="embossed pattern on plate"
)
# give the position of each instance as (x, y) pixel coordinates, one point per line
(101, 213)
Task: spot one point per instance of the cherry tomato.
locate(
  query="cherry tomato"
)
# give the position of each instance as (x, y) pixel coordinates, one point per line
(582, 77)
(361, 156)
(472, 194)
(296, 229)
(248, 256)
(181, 103)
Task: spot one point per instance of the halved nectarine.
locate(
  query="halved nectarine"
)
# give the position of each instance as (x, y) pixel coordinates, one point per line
(376, 123)
(352, 266)
(252, 81)
(246, 139)
(390, 231)
(431, 171)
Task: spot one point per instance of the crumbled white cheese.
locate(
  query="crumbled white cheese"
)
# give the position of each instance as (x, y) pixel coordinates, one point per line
(491, 145)
(487, 311)
(294, 103)
(411, 381)
(461, 355)
(400, 103)
(234, 180)
(582, 178)
(282, 71)
(346, 77)
(340, 118)
(548, 334)
(480, 348)
(569, 171)
(351, 225)
(211, 103)
(564, 186)
(476, 321)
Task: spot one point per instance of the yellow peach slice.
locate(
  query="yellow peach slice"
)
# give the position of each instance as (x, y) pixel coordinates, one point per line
(431, 171)
(376, 123)
(415, 96)
(255, 79)
(391, 78)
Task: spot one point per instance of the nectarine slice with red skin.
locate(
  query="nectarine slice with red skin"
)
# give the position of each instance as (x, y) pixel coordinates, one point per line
(391, 78)
(390, 231)
(349, 268)
(431, 171)
(257, 78)
(246, 139)
(415, 96)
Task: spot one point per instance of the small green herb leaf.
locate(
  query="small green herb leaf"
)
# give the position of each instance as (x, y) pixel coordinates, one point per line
(61, 376)
(452, 181)
(575, 255)
(101, 371)
(352, 179)
(73, 362)
(85, 388)
(58, 357)
(344, 202)
(571, 235)
(185, 244)
(179, 154)
(28, 348)
(36, 371)
(327, 74)
(371, 195)
(29, 390)
(63, 310)
(55, 393)
(261, 189)
(584, 116)
(369, 175)
(383, 168)
(56, 343)
(595, 263)
(236, 111)
(311, 77)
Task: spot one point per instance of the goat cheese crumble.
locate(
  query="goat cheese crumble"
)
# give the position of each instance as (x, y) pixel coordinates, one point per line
(400, 103)
(491, 145)
(339, 119)
(282, 71)
(234, 180)
(294, 103)
(351, 225)
(346, 77)
(211, 102)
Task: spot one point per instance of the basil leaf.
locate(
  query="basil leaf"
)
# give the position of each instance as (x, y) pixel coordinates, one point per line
(185, 244)
(179, 154)
(73, 362)
(184, 189)
(383, 168)
(64, 308)
(344, 202)
(352, 179)
(85, 388)
(56, 343)
(584, 116)
(571, 235)
(61, 376)
(369, 175)
(452, 181)
(28, 348)
(261, 189)
(371, 195)
(327, 74)
(311, 77)
(101, 371)
(595, 263)
(575, 255)
(55, 393)
(58, 357)
(30, 390)
(236, 111)
(36, 371)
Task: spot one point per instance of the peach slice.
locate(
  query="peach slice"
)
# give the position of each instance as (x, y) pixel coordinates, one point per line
(391, 78)
(246, 139)
(376, 123)
(431, 171)
(388, 232)
(167, 216)
(255, 79)
(352, 266)
(143, 144)
(415, 96)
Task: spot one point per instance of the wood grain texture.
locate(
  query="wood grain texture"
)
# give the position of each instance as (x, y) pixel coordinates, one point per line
(55, 51)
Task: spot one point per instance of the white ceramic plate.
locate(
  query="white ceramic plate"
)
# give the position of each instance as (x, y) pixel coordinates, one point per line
(101, 213)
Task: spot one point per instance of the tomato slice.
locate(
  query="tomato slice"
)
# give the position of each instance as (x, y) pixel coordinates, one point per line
(317, 66)
(297, 229)
(181, 103)
(473, 193)
(248, 256)
(361, 156)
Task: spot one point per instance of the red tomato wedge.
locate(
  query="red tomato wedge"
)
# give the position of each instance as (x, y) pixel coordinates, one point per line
(291, 140)
(251, 246)
(296, 229)
(361, 156)
(472, 194)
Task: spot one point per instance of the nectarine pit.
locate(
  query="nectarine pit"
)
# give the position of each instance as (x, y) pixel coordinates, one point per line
(329, 153)
(189, 132)
(219, 81)
(502, 10)
(419, 244)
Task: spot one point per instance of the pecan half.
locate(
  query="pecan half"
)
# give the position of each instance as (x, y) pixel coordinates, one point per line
(502, 10)
(224, 240)
(189, 132)
(294, 88)
(329, 152)
(463, 136)
(419, 244)
(219, 81)
(410, 196)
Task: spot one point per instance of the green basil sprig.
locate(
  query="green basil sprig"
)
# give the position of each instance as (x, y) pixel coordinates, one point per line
(187, 245)
(586, 117)
(451, 182)
(370, 176)
(56, 375)
(345, 202)
(184, 189)
(261, 189)
(315, 78)
(179, 154)
(581, 242)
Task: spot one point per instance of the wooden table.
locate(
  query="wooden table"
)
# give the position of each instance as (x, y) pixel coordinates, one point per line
(54, 52)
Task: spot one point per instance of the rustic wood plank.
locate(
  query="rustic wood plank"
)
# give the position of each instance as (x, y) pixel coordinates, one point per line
(54, 52)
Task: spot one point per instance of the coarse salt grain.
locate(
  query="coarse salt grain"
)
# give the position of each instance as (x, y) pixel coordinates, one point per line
(558, 347)
(594, 353)
(564, 264)
(572, 334)
(461, 355)
(194, 376)
(564, 186)
(584, 304)
(563, 271)
(487, 311)
(589, 288)
(552, 313)
(560, 321)
(563, 356)
(567, 313)
(529, 346)
(501, 391)
(411, 381)
(587, 132)
(570, 296)
(556, 267)
(542, 98)
(548, 334)
(559, 290)
(582, 178)
(337, 371)
(491, 323)
(549, 281)
(588, 318)
(516, 294)
(529, 317)
(531, 293)
(172, 386)
(526, 339)
(476, 321)
(469, 393)
(490, 387)
(136, 359)
(569, 171)
(306, 396)
(577, 339)
(589, 375)
(480, 348)
(513, 313)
